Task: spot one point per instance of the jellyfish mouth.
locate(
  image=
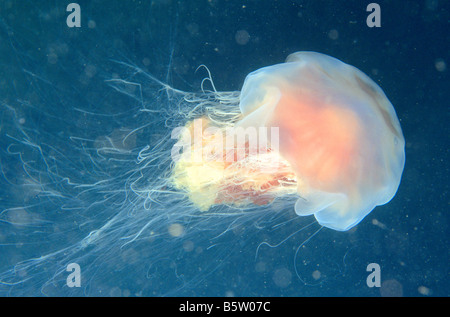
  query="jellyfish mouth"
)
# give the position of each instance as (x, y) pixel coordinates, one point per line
(213, 170)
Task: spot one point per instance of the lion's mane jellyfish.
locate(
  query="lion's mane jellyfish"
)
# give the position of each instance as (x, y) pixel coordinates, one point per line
(160, 190)
(312, 126)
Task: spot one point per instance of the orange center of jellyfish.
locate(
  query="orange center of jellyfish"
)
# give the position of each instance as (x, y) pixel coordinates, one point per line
(320, 140)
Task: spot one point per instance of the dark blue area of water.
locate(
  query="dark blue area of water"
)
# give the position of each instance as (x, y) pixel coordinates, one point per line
(55, 84)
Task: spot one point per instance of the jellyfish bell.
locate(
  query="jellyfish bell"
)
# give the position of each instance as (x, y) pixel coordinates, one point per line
(327, 132)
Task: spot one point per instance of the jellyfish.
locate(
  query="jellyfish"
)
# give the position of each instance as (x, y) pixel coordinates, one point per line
(149, 195)
(314, 126)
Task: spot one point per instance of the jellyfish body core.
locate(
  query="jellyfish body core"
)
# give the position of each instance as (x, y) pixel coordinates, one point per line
(314, 126)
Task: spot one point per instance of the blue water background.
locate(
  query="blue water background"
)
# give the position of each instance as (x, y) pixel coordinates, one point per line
(50, 66)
